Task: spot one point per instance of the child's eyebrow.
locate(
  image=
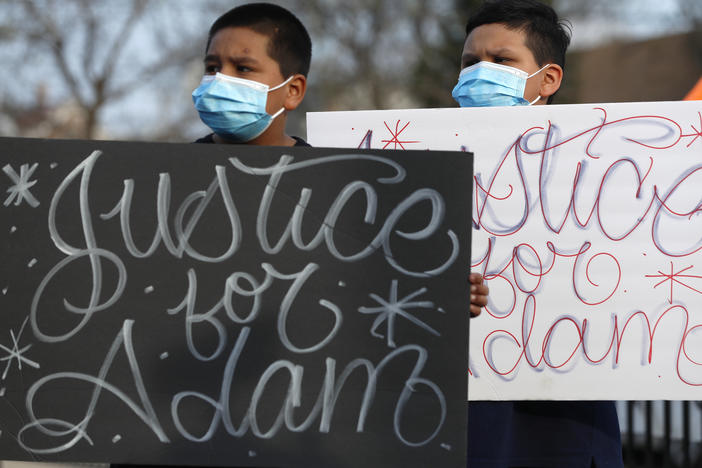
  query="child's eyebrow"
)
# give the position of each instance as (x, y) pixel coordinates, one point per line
(233, 59)
(500, 51)
(245, 59)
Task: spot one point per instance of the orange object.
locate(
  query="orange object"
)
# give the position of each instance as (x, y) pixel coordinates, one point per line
(695, 93)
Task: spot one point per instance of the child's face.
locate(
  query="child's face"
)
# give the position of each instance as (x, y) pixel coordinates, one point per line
(243, 53)
(496, 43)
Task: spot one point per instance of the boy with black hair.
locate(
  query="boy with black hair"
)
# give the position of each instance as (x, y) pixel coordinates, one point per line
(256, 63)
(514, 54)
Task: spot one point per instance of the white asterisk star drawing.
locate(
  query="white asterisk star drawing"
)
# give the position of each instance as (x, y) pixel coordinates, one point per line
(391, 308)
(20, 190)
(16, 352)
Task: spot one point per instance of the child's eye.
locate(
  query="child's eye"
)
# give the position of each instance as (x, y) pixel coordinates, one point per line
(243, 68)
(501, 59)
(211, 69)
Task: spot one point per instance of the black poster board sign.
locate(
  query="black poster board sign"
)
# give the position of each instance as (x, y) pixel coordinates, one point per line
(220, 305)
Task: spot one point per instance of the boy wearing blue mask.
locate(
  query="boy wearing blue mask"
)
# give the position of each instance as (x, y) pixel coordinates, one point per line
(256, 64)
(514, 54)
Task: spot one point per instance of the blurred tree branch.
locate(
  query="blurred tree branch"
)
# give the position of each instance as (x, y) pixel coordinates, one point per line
(369, 51)
(367, 54)
(94, 48)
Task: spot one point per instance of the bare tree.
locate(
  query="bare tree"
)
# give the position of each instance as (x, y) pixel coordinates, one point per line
(134, 61)
(84, 56)
(374, 54)
(438, 64)
(367, 51)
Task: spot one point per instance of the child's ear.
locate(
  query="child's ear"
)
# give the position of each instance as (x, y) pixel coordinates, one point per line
(296, 92)
(550, 81)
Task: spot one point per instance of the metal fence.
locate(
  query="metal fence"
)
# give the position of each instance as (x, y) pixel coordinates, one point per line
(661, 434)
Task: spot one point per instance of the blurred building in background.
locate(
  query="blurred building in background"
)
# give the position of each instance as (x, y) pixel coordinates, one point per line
(659, 69)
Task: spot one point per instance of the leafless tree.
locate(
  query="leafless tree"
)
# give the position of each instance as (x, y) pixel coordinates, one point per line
(86, 56)
(132, 63)
(368, 51)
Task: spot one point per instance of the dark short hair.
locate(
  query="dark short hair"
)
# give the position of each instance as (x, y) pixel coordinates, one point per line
(289, 43)
(547, 36)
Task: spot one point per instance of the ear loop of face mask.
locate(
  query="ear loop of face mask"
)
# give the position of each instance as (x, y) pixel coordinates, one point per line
(538, 97)
(282, 109)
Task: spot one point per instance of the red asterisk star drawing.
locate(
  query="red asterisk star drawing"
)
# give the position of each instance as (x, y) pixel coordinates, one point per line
(396, 136)
(698, 133)
(673, 277)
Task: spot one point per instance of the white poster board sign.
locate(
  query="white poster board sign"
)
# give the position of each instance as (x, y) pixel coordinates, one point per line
(588, 229)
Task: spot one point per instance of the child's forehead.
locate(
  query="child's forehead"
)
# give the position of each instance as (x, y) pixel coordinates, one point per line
(240, 39)
(492, 37)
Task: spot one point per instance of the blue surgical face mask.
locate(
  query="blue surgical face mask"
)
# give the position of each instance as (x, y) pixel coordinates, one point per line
(234, 108)
(491, 84)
